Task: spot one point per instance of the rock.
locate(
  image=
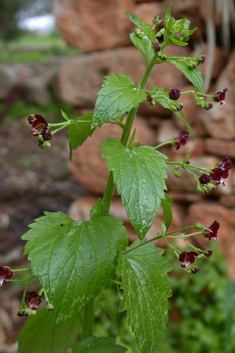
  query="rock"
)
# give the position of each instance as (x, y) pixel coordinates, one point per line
(220, 147)
(81, 77)
(205, 213)
(185, 197)
(80, 209)
(9, 77)
(227, 200)
(94, 25)
(220, 122)
(88, 168)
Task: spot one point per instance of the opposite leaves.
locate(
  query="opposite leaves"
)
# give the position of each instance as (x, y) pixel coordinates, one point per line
(147, 288)
(74, 260)
(38, 337)
(117, 96)
(139, 173)
(98, 345)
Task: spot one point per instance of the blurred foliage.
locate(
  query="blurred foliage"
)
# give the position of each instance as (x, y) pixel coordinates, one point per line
(10, 10)
(32, 48)
(199, 321)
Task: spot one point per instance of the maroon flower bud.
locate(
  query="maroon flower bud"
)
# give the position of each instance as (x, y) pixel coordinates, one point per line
(39, 125)
(193, 66)
(157, 47)
(178, 34)
(34, 300)
(209, 106)
(211, 232)
(187, 258)
(204, 178)
(30, 119)
(50, 307)
(208, 253)
(174, 94)
(181, 107)
(47, 135)
(201, 60)
(149, 98)
(219, 96)
(5, 274)
(181, 139)
(219, 175)
(195, 270)
(21, 313)
(226, 163)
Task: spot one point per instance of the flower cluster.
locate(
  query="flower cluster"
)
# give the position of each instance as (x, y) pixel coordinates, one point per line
(40, 129)
(33, 301)
(181, 139)
(5, 274)
(219, 174)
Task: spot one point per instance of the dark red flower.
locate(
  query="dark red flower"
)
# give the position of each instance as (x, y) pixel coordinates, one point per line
(157, 47)
(47, 135)
(208, 253)
(39, 125)
(219, 175)
(30, 119)
(187, 258)
(195, 270)
(209, 106)
(174, 94)
(181, 139)
(21, 313)
(205, 178)
(33, 300)
(211, 232)
(226, 164)
(149, 98)
(201, 60)
(5, 274)
(219, 96)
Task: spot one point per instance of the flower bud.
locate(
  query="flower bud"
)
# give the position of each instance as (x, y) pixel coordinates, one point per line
(174, 94)
(157, 47)
(219, 96)
(34, 299)
(205, 178)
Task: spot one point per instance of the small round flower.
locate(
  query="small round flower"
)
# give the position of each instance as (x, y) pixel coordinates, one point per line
(187, 258)
(208, 253)
(219, 96)
(181, 139)
(50, 307)
(209, 106)
(149, 98)
(195, 270)
(21, 313)
(33, 300)
(174, 94)
(211, 232)
(201, 60)
(39, 125)
(5, 274)
(178, 34)
(157, 47)
(47, 135)
(30, 119)
(205, 178)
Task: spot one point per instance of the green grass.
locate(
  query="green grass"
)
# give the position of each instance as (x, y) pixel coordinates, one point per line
(32, 48)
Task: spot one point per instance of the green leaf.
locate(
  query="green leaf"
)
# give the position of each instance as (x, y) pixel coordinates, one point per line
(181, 115)
(179, 42)
(144, 45)
(64, 115)
(74, 260)
(38, 337)
(118, 95)
(193, 75)
(163, 98)
(167, 15)
(98, 345)
(147, 287)
(150, 33)
(166, 205)
(96, 209)
(140, 174)
(79, 130)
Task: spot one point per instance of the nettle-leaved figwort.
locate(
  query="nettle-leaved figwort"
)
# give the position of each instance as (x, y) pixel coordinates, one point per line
(75, 260)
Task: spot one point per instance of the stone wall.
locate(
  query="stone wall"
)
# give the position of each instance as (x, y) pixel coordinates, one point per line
(102, 31)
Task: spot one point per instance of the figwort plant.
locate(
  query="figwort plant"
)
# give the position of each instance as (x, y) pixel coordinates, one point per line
(75, 260)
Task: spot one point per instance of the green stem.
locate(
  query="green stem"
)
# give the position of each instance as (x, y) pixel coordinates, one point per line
(118, 123)
(183, 236)
(21, 269)
(163, 144)
(108, 194)
(60, 128)
(88, 319)
(207, 170)
(61, 124)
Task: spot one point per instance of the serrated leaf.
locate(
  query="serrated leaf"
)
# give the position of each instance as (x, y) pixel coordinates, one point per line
(139, 173)
(150, 33)
(98, 345)
(144, 45)
(181, 115)
(74, 260)
(79, 130)
(147, 288)
(166, 205)
(193, 75)
(38, 337)
(118, 95)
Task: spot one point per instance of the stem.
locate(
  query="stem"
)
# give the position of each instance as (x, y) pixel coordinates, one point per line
(183, 236)
(61, 124)
(163, 144)
(88, 319)
(108, 194)
(207, 170)
(21, 269)
(60, 128)
(118, 123)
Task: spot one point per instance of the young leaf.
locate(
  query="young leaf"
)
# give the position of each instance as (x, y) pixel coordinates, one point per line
(79, 130)
(98, 345)
(166, 205)
(193, 75)
(139, 173)
(38, 337)
(150, 33)
(96, 209)
(181, 115)
(167, 15)
(144, 45)
(118, 95)
(74, 260)
(147, 288)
